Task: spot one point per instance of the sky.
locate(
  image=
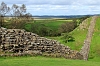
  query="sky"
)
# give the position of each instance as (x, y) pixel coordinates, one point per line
(58, 7)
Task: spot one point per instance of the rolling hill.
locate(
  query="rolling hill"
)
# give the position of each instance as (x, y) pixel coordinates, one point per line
(80, 34)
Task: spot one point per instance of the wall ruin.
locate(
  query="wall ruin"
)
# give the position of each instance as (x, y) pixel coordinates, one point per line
(17, 42)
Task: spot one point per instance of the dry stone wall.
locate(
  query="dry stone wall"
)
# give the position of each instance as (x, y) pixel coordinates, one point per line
(17, 42)
(87, 42)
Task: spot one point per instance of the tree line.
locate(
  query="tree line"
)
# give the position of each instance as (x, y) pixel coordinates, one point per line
(18, 13)
(20, 17)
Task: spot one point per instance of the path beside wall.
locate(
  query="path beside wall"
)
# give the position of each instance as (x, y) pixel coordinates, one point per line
(86, 47)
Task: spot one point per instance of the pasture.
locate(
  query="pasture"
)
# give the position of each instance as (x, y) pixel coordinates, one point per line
(46, 61)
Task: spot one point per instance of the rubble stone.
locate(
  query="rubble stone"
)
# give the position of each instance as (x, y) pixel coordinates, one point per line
(18, 42)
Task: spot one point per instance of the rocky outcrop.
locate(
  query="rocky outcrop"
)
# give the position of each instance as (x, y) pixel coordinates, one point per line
(17, 42)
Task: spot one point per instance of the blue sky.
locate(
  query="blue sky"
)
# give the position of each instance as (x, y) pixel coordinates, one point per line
(58, 7)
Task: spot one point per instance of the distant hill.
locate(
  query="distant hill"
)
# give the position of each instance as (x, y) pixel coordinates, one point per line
(57, 16)
(63, 16)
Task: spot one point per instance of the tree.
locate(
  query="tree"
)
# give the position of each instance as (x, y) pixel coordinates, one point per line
(28, 16)
(67, 27)
(68, 38)
(4, 9)
(20, 17)
(18, 13)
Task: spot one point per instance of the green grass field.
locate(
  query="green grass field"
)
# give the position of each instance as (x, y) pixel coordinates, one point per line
(95, 44)
(80, 35)
(45, 61)
(52, 24)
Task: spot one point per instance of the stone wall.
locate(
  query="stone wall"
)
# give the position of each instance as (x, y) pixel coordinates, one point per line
(86, 47)
(16, 42)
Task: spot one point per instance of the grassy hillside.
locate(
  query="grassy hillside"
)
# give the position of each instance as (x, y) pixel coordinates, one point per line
(95, 44)
(79, 34)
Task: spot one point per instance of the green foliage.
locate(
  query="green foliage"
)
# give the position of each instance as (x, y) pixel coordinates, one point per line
(45, 27)
(18, 24)
(51, 27)
(68, 38)
(43, 30)
(18, 13)
(79, 37)
(40, 29)
(1, 21)
(67, 27)
(83, 18)
(4, 9)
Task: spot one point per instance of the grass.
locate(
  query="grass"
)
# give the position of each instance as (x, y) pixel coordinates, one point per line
(52, 24)
(45, 61)
(78, 34)
(95, 44)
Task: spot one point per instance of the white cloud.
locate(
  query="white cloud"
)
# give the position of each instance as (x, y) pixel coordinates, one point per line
(53, 2)
(59, 6)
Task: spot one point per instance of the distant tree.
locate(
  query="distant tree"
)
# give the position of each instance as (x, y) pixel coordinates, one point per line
(40, 29)
(20, 17)
(67, 27)
(83, 18)
(4, 9)
(18, 12)
(28, 16)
